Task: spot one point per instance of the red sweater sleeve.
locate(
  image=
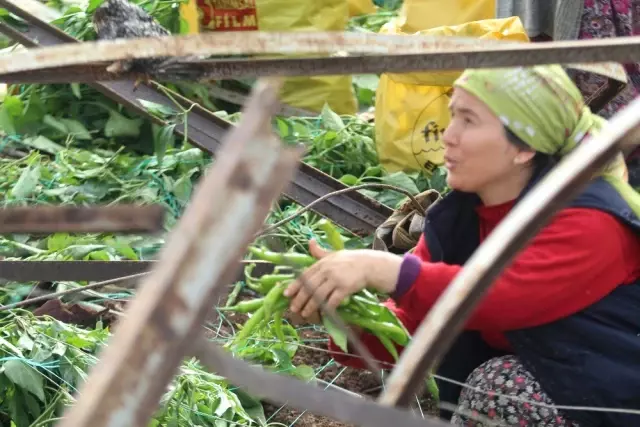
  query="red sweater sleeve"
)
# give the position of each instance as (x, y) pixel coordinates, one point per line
(577, 259)
(409, 317)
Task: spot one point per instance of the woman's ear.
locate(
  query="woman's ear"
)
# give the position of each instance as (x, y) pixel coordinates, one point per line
(524, 157)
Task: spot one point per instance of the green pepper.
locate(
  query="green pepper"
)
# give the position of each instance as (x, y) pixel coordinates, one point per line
(233, 295)
(391, 348)
(245, 306)
(388, 329)
(289, 258)
(274, 295)
(265, 283)
(277, 325)
(432, 387)
(333, 236)
(251, 324)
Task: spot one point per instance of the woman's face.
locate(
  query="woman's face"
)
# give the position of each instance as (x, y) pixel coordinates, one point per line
(478, 156)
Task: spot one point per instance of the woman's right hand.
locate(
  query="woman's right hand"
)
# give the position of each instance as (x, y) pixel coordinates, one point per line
(297, 320)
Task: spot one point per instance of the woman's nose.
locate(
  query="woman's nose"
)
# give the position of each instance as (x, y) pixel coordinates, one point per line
(449, 136)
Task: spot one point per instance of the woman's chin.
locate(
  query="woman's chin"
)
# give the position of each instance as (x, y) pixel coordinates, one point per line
(458, 183)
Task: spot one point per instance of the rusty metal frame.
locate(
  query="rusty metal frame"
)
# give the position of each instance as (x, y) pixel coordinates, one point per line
(85, 219)
(373, 53)
(78, 271)
(354, 211)
(163, 323)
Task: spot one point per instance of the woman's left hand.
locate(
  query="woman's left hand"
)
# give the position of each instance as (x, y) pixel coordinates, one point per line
(337, 275)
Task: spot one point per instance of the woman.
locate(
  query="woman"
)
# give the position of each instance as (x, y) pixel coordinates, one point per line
(560, 325)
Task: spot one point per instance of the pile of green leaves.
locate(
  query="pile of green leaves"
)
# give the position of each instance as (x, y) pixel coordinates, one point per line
(344, 148)
(44, 361)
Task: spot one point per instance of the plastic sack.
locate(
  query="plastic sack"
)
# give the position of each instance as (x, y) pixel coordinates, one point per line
(309, 93)
(361, 7)
(418, 15)
(190, 17)
(411, 111)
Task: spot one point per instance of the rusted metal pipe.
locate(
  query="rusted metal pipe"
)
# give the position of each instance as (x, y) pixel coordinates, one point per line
(82, 219)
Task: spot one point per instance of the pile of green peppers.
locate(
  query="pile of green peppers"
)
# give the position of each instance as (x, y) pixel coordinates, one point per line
(362, 309)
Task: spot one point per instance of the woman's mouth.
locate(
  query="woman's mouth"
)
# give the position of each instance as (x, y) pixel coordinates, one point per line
(449, 163)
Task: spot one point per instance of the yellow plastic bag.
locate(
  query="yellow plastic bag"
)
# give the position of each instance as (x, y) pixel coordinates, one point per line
(361, 7)
(189, 14)
(419, 15)
(309, 93)
(411, 109)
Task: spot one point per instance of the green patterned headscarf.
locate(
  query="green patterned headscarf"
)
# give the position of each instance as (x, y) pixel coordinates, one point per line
(544, 108)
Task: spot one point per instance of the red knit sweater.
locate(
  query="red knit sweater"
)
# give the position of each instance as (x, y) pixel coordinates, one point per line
(577, 259)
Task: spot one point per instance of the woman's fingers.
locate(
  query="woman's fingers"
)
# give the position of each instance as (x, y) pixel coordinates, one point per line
(319, 296)
(336, 298)
(302, 288)
(295, 286)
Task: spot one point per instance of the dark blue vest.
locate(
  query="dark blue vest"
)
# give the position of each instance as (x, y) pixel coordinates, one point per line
(591, 358)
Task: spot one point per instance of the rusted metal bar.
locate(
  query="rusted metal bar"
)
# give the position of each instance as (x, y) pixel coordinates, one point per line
(228, 207)
(353, 211)
(445, 320)
(90, 219)
(280, 389)
(72, 271)
(388, 53)
(79, 271)
(225, 69)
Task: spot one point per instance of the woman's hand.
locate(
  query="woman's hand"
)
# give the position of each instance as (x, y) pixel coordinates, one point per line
(337, 275)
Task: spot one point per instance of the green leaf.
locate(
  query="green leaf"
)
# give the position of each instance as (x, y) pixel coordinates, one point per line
(367, 81)
(25, 342)
(59, 241)
(349, 179)
(32, 405)
(14, 105)
(43, 143)
(75, 89)
(163, 139)
(338, 335)
(402, 180)
(25, 377)
(305, 372)
(125, 250)
(76, 129)
(331, 120)
(156, 109)
(120, 126)
(6, 122)
(93, 5)
(19, 416)
(183, 187)
(252, 406)
(54, 123)
(27, 183)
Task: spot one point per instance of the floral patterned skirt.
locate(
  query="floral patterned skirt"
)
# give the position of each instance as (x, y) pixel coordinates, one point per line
(502, 392)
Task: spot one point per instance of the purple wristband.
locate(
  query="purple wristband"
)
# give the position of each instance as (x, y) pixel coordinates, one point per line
(409, 271)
